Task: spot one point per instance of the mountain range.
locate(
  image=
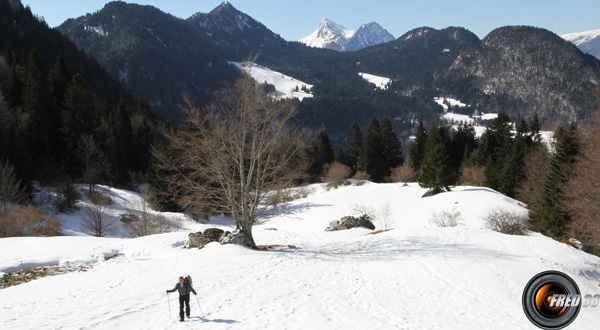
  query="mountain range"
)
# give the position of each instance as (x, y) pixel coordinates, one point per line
(588, 41)
(332, 35)
(519, 70)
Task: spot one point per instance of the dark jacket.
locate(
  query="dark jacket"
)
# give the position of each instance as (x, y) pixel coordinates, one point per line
(183, 289)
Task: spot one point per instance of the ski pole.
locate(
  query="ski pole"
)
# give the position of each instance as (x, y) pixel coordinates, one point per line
(169, 302)
(200, 306)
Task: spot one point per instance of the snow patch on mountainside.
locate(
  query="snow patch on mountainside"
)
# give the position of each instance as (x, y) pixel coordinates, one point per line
(99, 30)
(380, 82)
(286, 86)
(444, 100)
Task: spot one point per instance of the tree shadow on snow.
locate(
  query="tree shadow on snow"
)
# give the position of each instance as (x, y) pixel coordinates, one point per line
(214, 321)
(404, 248)
(289, 209)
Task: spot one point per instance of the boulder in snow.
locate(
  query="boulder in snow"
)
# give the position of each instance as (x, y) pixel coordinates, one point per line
(348, 222)
(234, 238)
(199, 239)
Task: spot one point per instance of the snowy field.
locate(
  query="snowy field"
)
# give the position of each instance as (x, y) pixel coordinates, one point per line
(380, 82)
(451, 101)
(285, 85)
(415, 276)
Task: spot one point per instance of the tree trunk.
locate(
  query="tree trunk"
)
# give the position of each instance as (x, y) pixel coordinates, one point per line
(246, 232)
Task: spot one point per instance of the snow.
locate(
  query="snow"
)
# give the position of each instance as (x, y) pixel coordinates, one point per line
(332, 35)
(579, 38)
(587, 42)
(285, 85)
(328, 32)
(451, 101)
(380, 82)
(96, 29)
(415, 276)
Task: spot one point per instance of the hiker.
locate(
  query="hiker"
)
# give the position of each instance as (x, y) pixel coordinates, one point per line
(184, 296)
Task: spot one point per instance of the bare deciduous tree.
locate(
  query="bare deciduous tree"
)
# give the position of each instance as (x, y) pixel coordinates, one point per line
(227, 156)
(11, 190)
(143, 222)
(384, 216)
(449, 218)
(582, 191)
(97, 221)
(92, 160)
(536, 167)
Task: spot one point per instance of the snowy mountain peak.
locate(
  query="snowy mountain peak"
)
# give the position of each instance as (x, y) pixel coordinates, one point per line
(332, 35)
(334, 27)
(225, 5)
(587, 42)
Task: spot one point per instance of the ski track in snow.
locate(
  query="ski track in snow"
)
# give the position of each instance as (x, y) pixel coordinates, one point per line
(415, 276)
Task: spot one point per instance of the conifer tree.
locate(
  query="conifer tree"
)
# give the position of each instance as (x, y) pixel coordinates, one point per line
(417, 149)
(122, 137)
(392, 147)
(534, 128)
(11, 190)
(78, 116)
(462, 144)
(13, 89)
(513, 173)
(436, 172)
(372, 155)
(40, 124)
(495, 144)
(551, 218)
(354, 141)
(59, 79)
(320, 153)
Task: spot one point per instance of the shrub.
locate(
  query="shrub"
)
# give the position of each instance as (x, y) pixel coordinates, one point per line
(506, 222)
(404, 174)
(142, 222)
(472, 176)
(66, 198)
(360, 178)
(28, 221)
(96, 220)
(303, 191)
(384, 216)
(99, 198)
(452, 218)
(363, 211)
(336, 175)
(281, 194)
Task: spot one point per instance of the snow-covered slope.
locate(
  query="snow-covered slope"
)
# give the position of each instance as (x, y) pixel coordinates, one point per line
(286, 86)
(415, 276)
(588, 41)
(332, 35)
(380, 82)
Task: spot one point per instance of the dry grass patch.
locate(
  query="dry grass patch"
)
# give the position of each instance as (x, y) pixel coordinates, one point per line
(28, 274)
(277, 247)
(378, 232)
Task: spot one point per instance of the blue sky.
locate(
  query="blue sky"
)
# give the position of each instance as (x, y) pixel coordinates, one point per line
(296, 19)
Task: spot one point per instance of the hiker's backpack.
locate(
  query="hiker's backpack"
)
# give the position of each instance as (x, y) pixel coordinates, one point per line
(188, 281)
